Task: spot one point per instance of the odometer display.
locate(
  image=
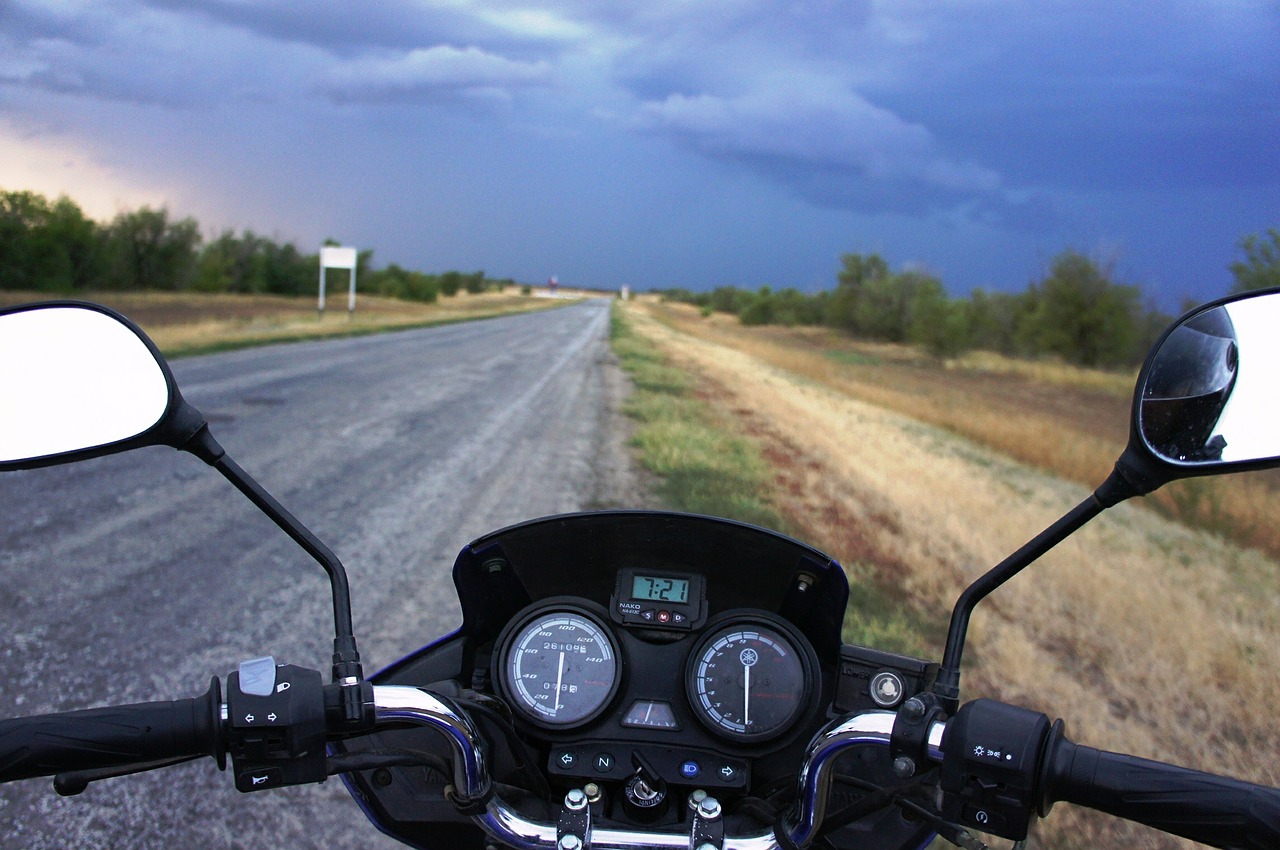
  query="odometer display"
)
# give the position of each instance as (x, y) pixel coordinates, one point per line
(748, 681)
(560, 668)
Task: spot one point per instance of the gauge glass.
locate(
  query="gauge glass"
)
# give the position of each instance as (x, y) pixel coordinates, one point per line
(561, 668)
(747, 681)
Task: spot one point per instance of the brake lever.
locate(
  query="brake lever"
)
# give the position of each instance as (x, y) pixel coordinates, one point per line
(74, 782)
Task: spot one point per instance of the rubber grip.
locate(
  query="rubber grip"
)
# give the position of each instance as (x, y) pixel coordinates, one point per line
(105, 737)
(1213, 810)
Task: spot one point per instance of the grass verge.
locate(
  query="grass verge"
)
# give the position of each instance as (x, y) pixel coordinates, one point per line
(174, 351)
(184, 323)
(703, 467)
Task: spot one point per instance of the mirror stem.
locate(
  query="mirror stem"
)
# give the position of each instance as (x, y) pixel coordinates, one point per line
(947, 686)
(304, 538)
(346, 658)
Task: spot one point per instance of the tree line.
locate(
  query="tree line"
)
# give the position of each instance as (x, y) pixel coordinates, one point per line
(53, 247)
(1077, 312)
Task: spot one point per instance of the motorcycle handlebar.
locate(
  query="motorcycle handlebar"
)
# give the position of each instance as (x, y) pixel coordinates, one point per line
(1213, 810)
(110, 737)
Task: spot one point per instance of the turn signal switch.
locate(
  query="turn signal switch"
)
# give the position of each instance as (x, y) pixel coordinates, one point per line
(276, 723)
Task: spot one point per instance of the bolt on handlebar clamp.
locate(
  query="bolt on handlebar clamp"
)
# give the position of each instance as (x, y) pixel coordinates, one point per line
(908, 746)
(574, 825)
(707, 831)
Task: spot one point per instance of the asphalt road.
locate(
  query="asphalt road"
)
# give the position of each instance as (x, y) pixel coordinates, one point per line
(137, 577)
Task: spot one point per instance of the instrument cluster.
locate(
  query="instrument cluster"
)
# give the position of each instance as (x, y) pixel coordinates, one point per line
(654, 667)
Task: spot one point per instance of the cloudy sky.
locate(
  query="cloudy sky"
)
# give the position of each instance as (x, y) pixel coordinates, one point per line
(669, 142)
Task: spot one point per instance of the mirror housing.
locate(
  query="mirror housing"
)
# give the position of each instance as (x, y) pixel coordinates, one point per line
(79, 381)
(1205, 401)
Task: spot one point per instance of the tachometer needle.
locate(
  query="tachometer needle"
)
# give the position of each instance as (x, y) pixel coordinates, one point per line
(746, 695)
(559, 679)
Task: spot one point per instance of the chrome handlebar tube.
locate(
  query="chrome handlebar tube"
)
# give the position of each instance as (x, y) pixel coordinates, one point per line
(399, 704)
(865, 727)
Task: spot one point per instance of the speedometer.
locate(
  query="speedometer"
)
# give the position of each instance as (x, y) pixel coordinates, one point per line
(748, 680)
(559, 667)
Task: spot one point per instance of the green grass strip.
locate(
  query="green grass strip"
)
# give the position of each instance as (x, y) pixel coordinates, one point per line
(704, 467)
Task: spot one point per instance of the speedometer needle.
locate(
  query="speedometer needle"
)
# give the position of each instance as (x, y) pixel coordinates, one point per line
(559, 679)
(746, 694)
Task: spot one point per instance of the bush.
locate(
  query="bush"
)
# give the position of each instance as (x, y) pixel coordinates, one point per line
(1083, 316)
(1261, 268)
(450, 283)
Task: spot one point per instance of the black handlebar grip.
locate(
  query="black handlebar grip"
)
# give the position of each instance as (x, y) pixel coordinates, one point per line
(115, 736)
(1213, 810)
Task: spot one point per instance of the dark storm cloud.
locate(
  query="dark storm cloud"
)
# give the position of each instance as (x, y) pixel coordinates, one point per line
(930, 126)
(836, 148)
(1086, 94)
(337, 26)
(183, 54)
(25, 22)
(125, 52)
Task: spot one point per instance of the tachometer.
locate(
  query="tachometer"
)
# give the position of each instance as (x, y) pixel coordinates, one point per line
(748, 680)
(559, 667)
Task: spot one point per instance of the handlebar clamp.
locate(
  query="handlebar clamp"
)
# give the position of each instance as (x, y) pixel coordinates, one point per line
(909, 744)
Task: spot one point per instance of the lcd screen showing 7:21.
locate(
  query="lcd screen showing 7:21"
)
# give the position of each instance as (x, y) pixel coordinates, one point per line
(660, 589)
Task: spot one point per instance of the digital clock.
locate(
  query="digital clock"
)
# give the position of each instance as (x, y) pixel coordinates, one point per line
(659, 588)
(656, 599)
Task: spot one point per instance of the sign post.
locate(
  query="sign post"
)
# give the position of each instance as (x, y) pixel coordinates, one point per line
(333, 257)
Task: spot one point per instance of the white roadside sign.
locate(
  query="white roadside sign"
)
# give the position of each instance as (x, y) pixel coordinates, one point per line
(339, 257)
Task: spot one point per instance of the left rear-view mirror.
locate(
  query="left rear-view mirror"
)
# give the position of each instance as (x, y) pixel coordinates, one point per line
(77, 380)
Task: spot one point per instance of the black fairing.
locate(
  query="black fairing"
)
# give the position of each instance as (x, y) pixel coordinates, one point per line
(581, 554)
(747, 572)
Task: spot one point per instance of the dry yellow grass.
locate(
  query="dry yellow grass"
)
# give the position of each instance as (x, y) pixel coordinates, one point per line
(1072, 422)
(1049, 372)
(182, 322)
(1148, 637)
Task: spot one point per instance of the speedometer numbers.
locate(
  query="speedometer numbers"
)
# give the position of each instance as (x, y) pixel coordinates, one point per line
(749, 681)
(559, 667)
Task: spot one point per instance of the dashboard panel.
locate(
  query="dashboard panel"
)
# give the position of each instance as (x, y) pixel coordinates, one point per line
(629, 651)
